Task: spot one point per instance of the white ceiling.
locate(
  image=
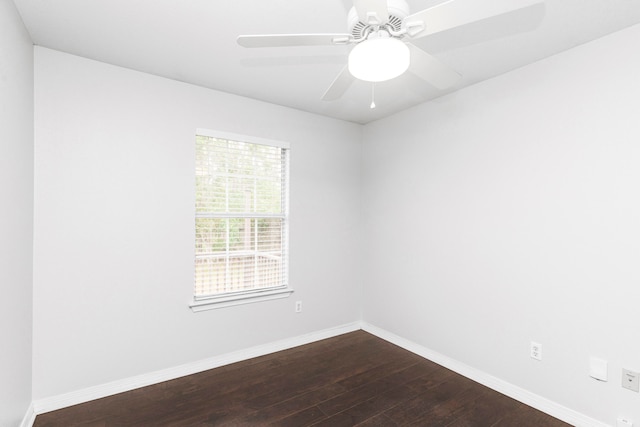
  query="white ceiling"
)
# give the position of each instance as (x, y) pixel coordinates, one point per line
(195, 41)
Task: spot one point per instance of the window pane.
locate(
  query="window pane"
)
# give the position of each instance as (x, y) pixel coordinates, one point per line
(269, 235)
(238, 177)
(240, 216)
(210, 275)
(211, 235)
(270, 271)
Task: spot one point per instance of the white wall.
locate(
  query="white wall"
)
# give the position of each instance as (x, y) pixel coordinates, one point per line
(509, 212)
(503, 213)
(16, 219)
(114, 226)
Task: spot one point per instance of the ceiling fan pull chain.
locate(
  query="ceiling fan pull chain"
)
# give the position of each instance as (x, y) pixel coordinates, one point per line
(373, 102)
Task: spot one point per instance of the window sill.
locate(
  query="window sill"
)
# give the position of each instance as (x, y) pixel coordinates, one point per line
(238, 299)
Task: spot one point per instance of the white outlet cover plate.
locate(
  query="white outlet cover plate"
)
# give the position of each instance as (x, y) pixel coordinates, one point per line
(536, 350)
(631, 380)
(598, 369)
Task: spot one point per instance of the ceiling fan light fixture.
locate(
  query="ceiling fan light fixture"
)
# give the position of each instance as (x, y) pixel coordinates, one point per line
(379, 58)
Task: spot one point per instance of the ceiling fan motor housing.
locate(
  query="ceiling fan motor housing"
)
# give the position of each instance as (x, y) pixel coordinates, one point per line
(398, 10)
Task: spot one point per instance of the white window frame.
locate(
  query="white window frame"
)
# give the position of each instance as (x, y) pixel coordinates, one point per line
(210, 302)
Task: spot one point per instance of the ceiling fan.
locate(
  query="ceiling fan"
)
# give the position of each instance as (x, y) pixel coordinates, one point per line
(381, 31)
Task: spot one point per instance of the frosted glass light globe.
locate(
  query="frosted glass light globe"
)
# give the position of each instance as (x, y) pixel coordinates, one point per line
(378, 59)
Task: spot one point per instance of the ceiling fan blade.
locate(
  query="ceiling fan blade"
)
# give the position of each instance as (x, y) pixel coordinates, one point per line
(282, 40)
(339, 86)
(431, 70)
(372, 12)
(455, 13)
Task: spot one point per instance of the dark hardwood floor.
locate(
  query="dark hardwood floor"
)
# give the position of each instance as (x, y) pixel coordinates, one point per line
(353, 379)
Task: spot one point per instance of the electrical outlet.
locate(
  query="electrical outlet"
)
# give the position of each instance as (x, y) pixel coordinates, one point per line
(630, 380)
(298, 306)
(536, 350)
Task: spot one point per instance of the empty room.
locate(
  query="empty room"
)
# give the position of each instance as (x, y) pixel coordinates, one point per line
(331, 212)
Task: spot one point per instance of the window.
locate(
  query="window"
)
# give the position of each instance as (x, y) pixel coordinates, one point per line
(242, 215)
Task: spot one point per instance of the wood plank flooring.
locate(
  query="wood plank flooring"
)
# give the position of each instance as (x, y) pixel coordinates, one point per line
(354, 379)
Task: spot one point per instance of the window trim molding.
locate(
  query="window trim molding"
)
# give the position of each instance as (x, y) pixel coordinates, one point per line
(212, 302)
(247, 297)
(242, 138)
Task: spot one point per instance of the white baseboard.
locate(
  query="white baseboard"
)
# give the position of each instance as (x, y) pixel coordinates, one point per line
(85, 395)
(29, 417)
(540, 403)
(53, 403)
